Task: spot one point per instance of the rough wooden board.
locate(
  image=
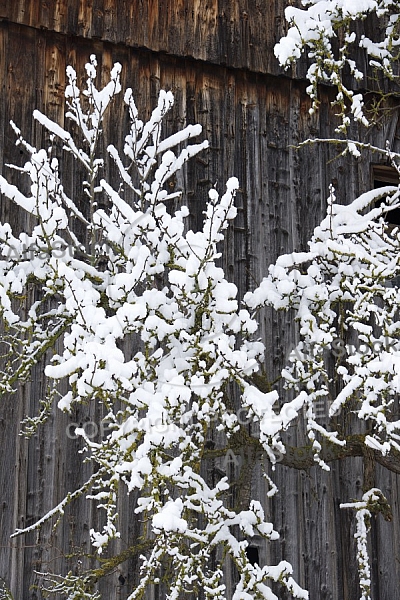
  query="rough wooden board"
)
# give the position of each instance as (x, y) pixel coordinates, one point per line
(252, 121)
(240, 34)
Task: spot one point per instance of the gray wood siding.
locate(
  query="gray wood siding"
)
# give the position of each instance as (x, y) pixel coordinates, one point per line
(224, 76)
(239, 34)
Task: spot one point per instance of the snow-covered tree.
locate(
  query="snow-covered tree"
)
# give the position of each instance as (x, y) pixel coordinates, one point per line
(136, 316)
(345, 288)
(332, 35)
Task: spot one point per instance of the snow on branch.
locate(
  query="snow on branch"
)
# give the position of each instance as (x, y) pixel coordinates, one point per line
(133, 314)
(345, 294)
(373, 501)
(325, 31)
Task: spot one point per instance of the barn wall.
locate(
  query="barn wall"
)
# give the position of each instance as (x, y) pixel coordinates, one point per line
(238, 34)
(253, 120)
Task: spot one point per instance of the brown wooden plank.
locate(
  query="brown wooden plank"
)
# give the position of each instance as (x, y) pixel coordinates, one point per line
(251, 121)
(239, 34)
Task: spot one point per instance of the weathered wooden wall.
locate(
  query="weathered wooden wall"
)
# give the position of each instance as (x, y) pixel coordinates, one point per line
(217, 58)
(239, 34)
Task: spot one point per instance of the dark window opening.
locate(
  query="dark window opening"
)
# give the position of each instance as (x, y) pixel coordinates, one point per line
(383, 175)
(252, 555)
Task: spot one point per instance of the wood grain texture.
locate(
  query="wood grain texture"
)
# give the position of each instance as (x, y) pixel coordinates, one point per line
(239, 34)
(253, 121)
